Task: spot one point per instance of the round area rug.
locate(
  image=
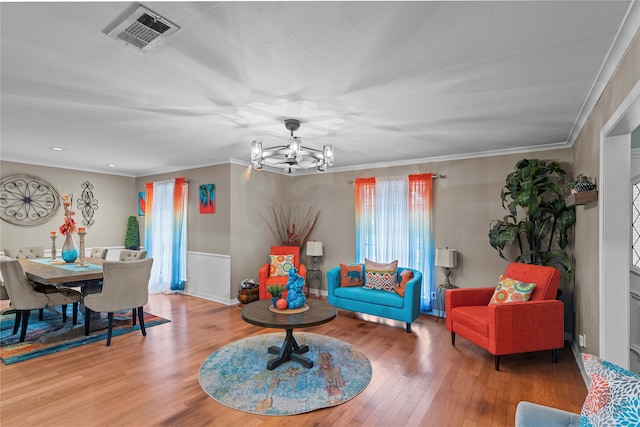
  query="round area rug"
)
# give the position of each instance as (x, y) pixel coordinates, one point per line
(236, 375)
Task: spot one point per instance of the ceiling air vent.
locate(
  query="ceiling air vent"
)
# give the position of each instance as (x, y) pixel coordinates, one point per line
(143, 28)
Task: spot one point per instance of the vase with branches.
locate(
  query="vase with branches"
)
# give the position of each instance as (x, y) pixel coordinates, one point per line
(292, 226)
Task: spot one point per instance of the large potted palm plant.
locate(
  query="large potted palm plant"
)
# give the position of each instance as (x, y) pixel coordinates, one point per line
(537, 228)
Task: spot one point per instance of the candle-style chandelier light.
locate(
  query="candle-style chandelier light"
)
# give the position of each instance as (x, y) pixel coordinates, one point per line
(293, 156)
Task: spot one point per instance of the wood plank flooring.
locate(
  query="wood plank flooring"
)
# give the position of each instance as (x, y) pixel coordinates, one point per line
(419, 379)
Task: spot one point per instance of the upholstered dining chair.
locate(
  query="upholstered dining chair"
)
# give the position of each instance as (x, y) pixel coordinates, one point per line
(129, 255)
(27, 252)
(125, 286)
(25, 298)
(275, 272)
(100, 253)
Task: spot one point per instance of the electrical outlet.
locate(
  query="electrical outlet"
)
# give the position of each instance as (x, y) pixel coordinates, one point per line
(582, 340)
(433, 295)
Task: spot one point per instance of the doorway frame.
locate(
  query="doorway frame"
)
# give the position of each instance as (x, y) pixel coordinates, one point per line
(614, 209)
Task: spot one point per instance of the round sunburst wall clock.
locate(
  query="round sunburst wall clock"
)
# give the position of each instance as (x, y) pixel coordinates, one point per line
(27, 200)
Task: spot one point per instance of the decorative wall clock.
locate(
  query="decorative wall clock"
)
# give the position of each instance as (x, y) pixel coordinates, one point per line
(27, 200)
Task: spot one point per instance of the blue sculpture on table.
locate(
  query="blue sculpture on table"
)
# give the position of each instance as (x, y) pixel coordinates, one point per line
(295, 295)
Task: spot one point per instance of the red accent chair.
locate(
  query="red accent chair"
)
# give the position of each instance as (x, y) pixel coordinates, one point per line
(265, 279)
(513, 327)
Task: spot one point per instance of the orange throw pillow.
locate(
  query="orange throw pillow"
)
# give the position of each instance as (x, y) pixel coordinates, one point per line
(405, 276)
(350, 275)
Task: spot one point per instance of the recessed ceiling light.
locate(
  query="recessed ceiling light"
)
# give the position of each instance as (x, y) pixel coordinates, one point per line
(57, 148)
(111, 165)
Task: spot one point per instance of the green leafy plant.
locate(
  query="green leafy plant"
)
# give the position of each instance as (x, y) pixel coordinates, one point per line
(539, 223)
(275, 290)
(132, 238)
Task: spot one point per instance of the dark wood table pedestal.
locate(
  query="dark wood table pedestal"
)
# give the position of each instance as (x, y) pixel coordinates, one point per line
(258, 313)
(290, 350)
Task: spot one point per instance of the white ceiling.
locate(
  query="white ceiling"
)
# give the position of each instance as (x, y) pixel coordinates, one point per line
(384, 82)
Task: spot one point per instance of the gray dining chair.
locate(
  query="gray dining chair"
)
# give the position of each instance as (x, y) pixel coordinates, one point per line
(129, 255)
(3, 290)
(25, 298)
(100, 253)
(26, 252)
(125, 286)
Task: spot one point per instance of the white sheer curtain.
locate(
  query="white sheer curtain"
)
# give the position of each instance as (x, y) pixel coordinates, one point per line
(165, 238)
(391, 226)
(392, 212)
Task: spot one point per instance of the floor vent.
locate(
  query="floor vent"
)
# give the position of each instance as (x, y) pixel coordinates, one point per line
(143, 28)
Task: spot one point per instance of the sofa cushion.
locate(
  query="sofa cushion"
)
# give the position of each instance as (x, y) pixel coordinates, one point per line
(511, 290)
(351, 275)
(280, 265)
(381, 276)
(534, 415)
(473, 317)
(405, 276)
(370, 296)
(614, 395)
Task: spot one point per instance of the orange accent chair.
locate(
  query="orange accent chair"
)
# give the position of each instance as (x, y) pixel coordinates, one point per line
(264, 277)
(512, 327)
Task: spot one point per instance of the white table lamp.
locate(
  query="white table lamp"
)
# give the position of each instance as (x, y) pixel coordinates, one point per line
(314, 250)
(448, 259)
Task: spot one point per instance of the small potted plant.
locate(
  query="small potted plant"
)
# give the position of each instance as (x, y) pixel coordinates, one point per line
(132, 237)
(276, 292)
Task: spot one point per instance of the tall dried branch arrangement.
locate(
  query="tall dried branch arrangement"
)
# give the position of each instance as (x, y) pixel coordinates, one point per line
(292, 226)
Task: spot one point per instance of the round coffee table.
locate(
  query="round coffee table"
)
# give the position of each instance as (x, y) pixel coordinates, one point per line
(258, 313)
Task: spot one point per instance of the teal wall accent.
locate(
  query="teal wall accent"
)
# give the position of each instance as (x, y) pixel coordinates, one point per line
(635, 138)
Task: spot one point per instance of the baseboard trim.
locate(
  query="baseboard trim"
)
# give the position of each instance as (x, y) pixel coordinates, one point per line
(578, 356)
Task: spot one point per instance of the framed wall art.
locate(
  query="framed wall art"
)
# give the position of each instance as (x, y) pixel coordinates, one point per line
(141, 202)
(207, 198)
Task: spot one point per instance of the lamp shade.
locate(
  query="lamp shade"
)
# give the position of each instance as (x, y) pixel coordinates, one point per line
(446, 257)
(314, 248)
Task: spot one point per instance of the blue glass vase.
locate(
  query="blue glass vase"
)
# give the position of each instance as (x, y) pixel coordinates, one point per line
(69, 249)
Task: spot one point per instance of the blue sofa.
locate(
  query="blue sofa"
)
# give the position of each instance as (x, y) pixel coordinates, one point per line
(377, 302)
(533, 415)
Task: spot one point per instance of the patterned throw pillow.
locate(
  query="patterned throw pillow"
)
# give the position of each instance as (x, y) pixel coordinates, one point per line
(614, 396)
(405, 276)
(381, 276)
(280, 265)
(511, 290)
(350, 275)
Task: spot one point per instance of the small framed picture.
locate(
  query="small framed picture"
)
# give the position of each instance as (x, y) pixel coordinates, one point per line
(141, 202)
(207, 198)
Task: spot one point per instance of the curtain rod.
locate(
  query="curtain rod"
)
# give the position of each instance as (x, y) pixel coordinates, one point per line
(435, 176)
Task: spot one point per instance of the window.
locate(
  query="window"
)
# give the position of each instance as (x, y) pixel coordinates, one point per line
(635, 225)
(393, 222)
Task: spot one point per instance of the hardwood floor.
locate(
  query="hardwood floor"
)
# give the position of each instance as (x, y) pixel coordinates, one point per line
(419, 379)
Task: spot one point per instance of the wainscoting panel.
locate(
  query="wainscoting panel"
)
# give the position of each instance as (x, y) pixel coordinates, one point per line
(209, 277)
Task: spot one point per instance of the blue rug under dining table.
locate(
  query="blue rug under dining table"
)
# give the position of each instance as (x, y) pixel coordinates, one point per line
(50, 335)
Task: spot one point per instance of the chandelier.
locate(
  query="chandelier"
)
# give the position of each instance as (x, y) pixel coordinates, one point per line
(293, 156)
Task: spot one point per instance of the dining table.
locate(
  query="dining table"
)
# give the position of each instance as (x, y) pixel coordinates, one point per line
(48, 272)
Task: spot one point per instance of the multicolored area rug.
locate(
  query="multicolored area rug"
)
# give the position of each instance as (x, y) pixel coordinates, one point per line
(236, 375)
(51, 335)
